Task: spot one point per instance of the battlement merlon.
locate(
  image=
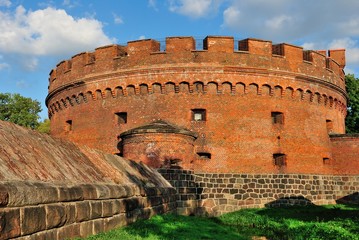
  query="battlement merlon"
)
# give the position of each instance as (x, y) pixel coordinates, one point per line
(103, 58)
(339, 56)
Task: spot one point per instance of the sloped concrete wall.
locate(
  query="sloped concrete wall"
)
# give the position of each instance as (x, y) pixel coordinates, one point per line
(54, 189)
(29, 155)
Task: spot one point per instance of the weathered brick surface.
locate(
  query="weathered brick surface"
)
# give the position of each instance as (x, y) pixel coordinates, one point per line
(108, 208)
(238, 90)
(46, 235)
(9, 223)
(55, 215)
(96, 209)
(83, 211)
(115, 221)
(86, 228)
(345, 153)
(71, 214)
(25, 193)
(69, 231)
(33, 220)
(70, 193)
(43, 159)
(98, 225)
(4, 196)
(159, 143)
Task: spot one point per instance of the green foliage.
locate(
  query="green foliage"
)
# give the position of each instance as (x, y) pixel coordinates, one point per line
(44, 127)
(171, 226)
(312, 222)
(20, 110)
(352, 119)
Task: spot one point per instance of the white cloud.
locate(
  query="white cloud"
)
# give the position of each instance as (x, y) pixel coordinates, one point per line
(142, 37)
(30, 63)
(351, 46)
(349, 70)
(278, 22)
(319, 24)
(350, 26)
(309, 46)
(5, 3)
(288, 20)
(22, 84)
(70, 3)
(4, 66)
(231, 16)
(352, 56)
(342, 43)
(194, 8)
(153, 4)
(117, 19)
(48, 31)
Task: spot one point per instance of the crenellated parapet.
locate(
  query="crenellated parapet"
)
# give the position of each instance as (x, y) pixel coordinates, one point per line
(244, 55)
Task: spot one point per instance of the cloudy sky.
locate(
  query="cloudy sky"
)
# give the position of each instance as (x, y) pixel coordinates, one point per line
(36, 35)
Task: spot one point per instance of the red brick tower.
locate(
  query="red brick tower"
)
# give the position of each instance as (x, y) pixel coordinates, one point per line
(256, 107)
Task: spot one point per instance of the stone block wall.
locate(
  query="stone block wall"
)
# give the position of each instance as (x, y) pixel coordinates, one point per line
(217, 193)
(188, 190)
(37, 210)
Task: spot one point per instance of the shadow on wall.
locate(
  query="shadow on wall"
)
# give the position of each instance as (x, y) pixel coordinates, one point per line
(171, 163)
(151, 179)
(120, 146)
(349, 199)
(161, 199)
(290, 201)
(154, 157)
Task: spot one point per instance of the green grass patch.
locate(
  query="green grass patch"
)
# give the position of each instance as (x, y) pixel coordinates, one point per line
(312, 222)
(171, 226)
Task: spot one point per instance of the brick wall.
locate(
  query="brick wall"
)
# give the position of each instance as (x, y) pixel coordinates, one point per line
(345, 152)
(238, 90)
(37, 210)
(159, 143)
(238, 131)
(218, 193)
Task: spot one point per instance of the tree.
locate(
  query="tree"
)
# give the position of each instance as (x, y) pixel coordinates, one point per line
(44, 127)
(352, 119)
(19, 110)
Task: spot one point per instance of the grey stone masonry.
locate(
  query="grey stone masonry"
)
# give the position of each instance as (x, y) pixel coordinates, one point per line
(218, 193)
(187, 189)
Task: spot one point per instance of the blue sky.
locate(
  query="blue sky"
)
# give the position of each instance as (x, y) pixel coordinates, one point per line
(36, 35)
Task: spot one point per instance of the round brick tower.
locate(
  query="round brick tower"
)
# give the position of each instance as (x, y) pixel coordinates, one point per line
(159, 144)
(256, 107)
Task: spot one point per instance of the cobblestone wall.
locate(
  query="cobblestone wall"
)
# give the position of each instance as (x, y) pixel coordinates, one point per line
(215, 194)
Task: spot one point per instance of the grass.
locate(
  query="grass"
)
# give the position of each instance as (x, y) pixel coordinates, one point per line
(313, 222)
